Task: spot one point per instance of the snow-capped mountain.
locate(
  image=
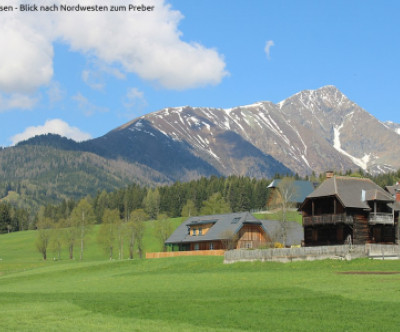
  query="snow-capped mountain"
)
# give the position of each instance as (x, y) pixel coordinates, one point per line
(394, 126)
(314, 130)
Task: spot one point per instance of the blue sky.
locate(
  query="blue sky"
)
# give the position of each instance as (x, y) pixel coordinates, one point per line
(83, 74)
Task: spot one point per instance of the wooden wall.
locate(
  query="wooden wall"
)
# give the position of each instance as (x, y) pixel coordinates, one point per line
(252, 236)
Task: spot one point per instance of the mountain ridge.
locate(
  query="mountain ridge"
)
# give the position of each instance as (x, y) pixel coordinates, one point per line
(310, 131)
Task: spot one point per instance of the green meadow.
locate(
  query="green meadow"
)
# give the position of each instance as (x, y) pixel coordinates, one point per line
(191, 293)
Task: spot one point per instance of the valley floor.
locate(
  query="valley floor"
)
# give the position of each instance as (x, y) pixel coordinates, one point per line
(199, 293)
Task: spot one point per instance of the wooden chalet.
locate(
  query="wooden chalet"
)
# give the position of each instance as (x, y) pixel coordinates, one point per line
(344, 209)
(229, 231)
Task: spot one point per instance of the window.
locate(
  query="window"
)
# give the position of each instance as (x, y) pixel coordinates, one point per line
(196, 246)
(200, 231)
(211, 246)
(235, 220)
(194, 231)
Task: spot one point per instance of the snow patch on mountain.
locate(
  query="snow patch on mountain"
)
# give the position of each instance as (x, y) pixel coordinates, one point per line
(362, 162)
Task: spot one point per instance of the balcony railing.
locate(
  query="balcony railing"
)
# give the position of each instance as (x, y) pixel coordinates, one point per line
(381, 218)
(328, 219)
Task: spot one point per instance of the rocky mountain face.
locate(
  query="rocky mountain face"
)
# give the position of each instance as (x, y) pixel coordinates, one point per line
(314, 130)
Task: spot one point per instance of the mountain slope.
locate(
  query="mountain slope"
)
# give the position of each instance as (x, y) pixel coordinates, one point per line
(33, 174)
(146, 145)
(314, 130)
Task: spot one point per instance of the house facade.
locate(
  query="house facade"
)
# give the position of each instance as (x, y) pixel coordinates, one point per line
(224, 231)
(347, 209)
(231, 231)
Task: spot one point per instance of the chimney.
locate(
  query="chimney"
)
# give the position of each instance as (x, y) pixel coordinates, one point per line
(363, 195)
(329, 174)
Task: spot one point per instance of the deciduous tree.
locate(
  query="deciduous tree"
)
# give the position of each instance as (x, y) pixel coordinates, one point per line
(216, 204)
(70, 235)
(284, 196)
(163, 229)
(135, 231)
(189, 209)
(152, 203)
(44, 227)
(107, 235)
(83, 219)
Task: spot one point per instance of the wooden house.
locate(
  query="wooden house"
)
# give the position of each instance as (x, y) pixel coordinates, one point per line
(347, 209)
(230, 231)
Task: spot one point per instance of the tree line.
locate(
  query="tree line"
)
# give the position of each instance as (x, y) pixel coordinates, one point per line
(13, 219)
(176, 200)
(121, 213)
(113, 235)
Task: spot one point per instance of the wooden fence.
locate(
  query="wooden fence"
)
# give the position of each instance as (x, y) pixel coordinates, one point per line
(376, 251)
(185, 253)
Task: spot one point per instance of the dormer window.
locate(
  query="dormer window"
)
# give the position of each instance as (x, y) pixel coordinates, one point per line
(200, 227)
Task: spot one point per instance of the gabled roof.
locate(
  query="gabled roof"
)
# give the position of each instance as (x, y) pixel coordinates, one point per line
(224, 226)
(294, 231)
(352, 192)
(393, 189)
(303, 188)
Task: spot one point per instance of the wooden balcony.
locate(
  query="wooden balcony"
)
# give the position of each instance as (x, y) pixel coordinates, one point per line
(381, 218)
(327, 219)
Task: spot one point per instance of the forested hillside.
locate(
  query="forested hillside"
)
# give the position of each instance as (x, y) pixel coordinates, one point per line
(31, 176)
(234, 193)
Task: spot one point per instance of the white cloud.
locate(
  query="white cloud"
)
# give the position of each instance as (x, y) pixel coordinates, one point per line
(86, 106)
(26, 56)
(133, 96)
(55, 93)
(93, 79)
(17, 101)
(267, 48)
(54, 126)
(134, 102)
(148, 44)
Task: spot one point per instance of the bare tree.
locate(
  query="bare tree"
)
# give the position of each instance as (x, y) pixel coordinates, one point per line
(284, 196)
(229, 239)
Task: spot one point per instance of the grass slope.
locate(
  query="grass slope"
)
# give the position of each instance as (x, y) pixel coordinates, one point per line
(191, 293)
(291, 215)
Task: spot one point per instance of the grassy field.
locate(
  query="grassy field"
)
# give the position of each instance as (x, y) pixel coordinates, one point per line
(292, 215)
(192, 293)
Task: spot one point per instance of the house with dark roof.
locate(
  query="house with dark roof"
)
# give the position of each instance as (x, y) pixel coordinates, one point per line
(394, 191)
(348, 209)
(232, 231)
(299, 191)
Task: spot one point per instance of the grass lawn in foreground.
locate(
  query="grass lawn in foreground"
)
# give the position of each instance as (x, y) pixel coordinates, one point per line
(192, 293)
